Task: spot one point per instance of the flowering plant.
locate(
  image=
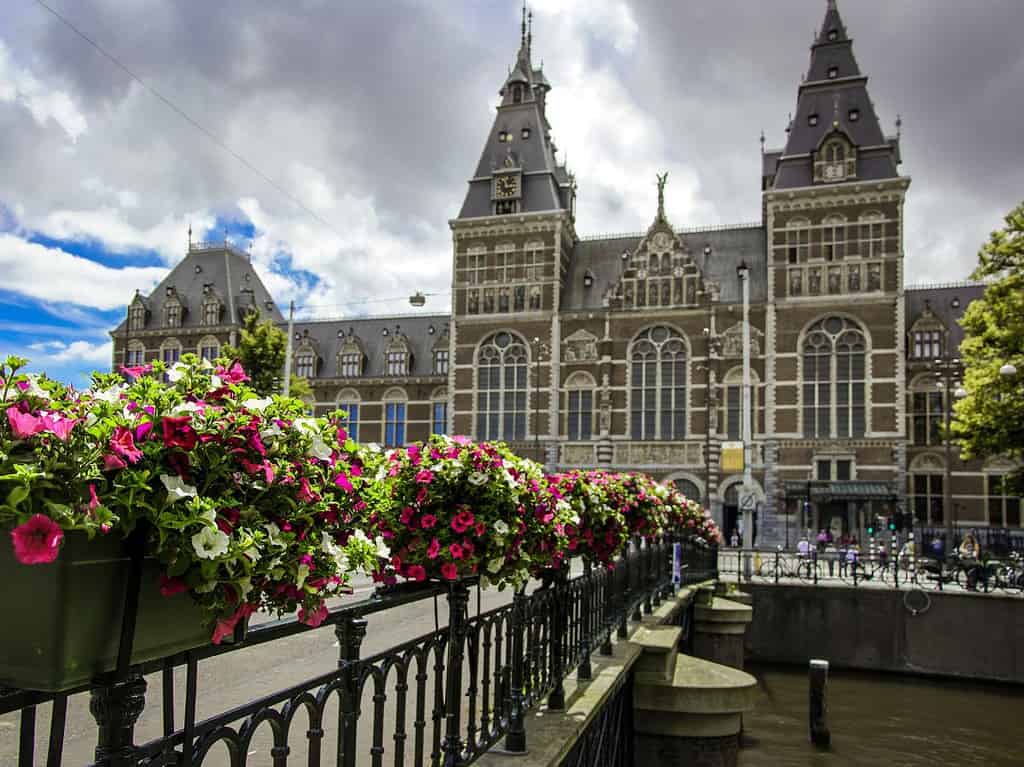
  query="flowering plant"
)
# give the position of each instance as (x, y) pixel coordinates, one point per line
(247, 502)
(686, 516)
(642, 501)
(600, 533)
(457, 509)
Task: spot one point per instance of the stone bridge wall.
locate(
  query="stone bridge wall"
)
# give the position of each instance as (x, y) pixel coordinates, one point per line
(958, 635)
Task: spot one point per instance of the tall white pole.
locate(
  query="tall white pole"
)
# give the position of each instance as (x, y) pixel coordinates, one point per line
(748, 526)
(288, 349)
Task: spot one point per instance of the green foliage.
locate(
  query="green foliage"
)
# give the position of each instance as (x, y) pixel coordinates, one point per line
(990, 420)
(261, 350)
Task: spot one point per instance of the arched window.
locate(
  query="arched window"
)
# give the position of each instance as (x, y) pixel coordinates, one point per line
(348, 401)
(732, 404)
(305, 360)
(211, 310)
(658, 384)
(350, 359)
(439, 412)
(926, 491)
(688, 488)
(927, 411)
(209, 348)
(137, 316)
(396, 358)
(834, 379)
(835, 151)
(170, 353)
(579, 409)
(134, 353)
(501, 388)
(394, 418)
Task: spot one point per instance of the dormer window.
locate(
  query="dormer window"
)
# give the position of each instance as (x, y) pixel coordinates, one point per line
(396, 357)
(172, 315)
(305, 364)
(211, 311)
(517, 94)
(525, 133)
(854, 115)
(440, 362)
(833, 73)
(588, 279)
(812, 120)
(833, 35)
(927, 344)
(350, 364)
(136, 316)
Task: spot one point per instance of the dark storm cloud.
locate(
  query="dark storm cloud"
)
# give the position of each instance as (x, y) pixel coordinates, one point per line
(392, 100)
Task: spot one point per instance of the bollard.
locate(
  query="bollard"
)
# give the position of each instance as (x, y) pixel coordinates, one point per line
(818, 675)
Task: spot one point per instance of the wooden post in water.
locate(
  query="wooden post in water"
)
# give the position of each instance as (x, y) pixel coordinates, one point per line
(820, 735)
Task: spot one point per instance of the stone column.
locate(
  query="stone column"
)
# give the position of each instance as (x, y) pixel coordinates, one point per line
(719, 630)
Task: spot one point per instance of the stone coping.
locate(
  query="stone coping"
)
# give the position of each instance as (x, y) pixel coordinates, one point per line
(722, 610)
(697, 687)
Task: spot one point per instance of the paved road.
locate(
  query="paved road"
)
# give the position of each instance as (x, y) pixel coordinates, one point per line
(239, 677)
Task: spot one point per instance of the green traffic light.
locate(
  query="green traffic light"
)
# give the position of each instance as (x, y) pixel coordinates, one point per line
(871, 531)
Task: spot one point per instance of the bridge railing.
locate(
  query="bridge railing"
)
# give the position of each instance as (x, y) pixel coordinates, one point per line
(877, 568)
(443, 698)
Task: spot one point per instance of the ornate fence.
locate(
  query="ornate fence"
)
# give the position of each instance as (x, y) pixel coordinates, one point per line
(441, 699)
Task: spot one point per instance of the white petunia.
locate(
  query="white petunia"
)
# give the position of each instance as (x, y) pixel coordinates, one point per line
(253, 553)
(318, 449)
(477, 478)
(210, 543)
(334, 551)
(215, 382)
(382, 548)
(301, 575)
(186, 407)
(273, 430)
(257, 404)
(205, 364)
(274, 534)
(305, 425)
(501, 527)
(177, 372)
(495, 564)
(177, 488)
(34, 389)
(110, 394)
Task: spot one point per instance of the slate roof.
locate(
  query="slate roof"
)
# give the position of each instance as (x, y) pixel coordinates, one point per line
(947, 302)
(369, 331)
(219, 266)
(832, 100)
(602, 257)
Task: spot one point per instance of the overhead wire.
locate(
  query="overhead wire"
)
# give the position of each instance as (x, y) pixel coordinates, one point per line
(188, 118)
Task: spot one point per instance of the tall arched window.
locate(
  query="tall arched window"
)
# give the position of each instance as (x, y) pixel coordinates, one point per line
(135, 353)
(658, 384)
(834, 379)
(209, 348)
(394, 418)
(348, 401)
(501, 388)
(579, 390)
(732, 404)
(688, 488)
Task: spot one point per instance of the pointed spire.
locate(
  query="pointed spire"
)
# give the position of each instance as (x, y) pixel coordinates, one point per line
(190, 235)
(832, 28)
(522, 27)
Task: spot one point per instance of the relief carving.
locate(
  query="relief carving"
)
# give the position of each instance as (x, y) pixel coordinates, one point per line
(578, 455)
(732, 341)
(581, 346)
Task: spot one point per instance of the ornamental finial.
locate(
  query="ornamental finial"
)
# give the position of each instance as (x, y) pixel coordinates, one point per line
(662, 179)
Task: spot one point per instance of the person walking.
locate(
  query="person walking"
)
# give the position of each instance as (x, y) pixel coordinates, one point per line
(969, 554)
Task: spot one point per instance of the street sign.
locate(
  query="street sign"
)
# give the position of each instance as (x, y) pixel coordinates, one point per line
(731, 458)
(748, 500)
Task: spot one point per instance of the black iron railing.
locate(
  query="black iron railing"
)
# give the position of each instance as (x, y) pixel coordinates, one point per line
(441, 699)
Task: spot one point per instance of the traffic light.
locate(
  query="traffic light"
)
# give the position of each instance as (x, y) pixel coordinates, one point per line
(871, 528)
(892, 524)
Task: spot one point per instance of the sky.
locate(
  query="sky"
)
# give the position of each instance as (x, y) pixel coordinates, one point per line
(373, 116)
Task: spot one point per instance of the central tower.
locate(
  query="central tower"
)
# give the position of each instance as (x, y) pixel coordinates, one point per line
(510, 246)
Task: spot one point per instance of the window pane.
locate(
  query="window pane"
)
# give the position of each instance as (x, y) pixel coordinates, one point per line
(842, 470)
(824, 470)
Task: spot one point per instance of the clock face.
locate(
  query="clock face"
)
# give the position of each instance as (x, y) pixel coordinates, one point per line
(661, 240)
(506, 186)
(834, 171)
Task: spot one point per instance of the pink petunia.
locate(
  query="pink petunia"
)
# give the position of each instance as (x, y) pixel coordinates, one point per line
(462, 521)
(123, 444)
(406, 514)
(416, 573)
(136, 370)
(226, 627)
(315, 617)
(58, 425)
(424, 477)
(343, 482)
(306, 494)
(428, 521)
(169, 586)
(234, 374)
(434, 548)
(94, 501)
(143, 430)
(24, 425)
(449, 571)
(111, 462)
(37, 542)
(455, 550)
(177, 432)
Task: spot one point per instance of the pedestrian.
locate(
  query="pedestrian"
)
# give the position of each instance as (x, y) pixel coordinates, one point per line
(938, 547)
(969, 553)
(803, 546)
(822, 539)
(734, 540)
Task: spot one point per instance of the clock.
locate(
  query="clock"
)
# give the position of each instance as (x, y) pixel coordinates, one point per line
(506, 186)
(661, 240)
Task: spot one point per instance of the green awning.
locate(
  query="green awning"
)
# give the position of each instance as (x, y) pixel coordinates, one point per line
(849, 490)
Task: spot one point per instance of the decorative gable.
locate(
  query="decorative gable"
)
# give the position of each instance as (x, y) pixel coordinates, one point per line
(732, 341)
(581, 346)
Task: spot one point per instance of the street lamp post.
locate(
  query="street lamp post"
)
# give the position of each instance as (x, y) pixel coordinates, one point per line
(947, 372)
(748, 527)
(538, 348)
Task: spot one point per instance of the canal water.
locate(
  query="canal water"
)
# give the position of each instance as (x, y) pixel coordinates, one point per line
(890, 720)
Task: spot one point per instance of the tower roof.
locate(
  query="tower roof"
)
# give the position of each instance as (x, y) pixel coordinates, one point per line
(833, 98)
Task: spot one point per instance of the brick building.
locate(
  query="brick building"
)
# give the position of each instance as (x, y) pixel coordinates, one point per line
(625, 350)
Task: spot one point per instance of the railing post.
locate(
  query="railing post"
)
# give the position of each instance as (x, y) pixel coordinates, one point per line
(622, 594)
(515, 737)
(559, 631)
(584, 672)
(814, 566)
(116, 707)
(350, 633)
(458, 601)
(656, 571)
(637, 593)
(776, 566)
(610, 577)
(647, 575)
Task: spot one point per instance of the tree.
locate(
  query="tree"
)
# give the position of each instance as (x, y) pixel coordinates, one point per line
(261, 350)
(990, 419)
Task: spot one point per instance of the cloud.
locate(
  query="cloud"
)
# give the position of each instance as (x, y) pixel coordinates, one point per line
(76, 351)
(55, 276)
(43, 101)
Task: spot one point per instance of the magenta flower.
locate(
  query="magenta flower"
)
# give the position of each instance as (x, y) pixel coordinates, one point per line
(424, 477)
(94, 501)
(142, 430)
(136, 370)
(232, 375)
(123, 444)
(37, 542)
(416, 572)
(428, 521)
(434, 548)
(169, 586)
(462, 521)
(406, 515)
(111, 462)
(58, 425)
(24, 425)
(455, 550)
(178, 432)
(343, 482)
(306, 494)
(315, 617)
(226, 627)
(449, 571)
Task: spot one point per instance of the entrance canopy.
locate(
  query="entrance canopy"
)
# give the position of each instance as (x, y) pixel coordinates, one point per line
(848, 490)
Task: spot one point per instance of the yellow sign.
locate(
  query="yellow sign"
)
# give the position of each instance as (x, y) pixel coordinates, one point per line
(731, 460)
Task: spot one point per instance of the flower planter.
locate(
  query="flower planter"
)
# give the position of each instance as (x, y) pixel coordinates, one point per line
(64, 619)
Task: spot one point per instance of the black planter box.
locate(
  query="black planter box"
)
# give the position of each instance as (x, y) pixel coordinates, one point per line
(62, 621)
